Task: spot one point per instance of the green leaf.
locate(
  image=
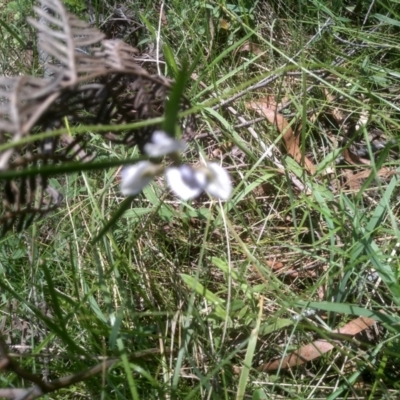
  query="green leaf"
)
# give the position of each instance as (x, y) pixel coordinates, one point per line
(390, 321)
(173, 104)
(223, 266)
(117, 215)
(248, 360)
(137, 212)
(194, 284)
(166, 212)
(387, 20)
(293, 166)
(52, 325)
(116, 327)
(170, 60)
(12, 32)
(128, 371)
(328, 160)
(259, 394)
(366, 245)
(66, 168)
(81, 129)
(148, 24)
(282, 323)
(251, 186)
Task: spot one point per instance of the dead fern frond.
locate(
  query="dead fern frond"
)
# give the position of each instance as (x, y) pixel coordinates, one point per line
(67, 41)
(92, 81)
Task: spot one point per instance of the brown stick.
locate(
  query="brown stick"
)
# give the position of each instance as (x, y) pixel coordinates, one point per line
(41, 387)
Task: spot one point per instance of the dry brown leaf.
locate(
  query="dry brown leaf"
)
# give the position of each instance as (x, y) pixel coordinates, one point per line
(306, 353)
(278, 267)
(250, 46)
(314, 350)
(291, 140)
(350, 181)
(356, 326)
(355, 181)
(321, 292)
(336, 113)
(266, 189)
(354, 159)
(268, 102)
(274, 265)
(224, 24)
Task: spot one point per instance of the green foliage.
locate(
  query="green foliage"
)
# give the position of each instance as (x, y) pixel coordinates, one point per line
(76, 6)
(197, 283)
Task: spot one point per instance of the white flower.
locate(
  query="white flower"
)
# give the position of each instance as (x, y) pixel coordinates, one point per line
(162, 144)
(219, 183)
(186, 182)
(135, 177)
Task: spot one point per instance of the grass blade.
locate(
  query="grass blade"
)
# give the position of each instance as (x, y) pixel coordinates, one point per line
(248, 360)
